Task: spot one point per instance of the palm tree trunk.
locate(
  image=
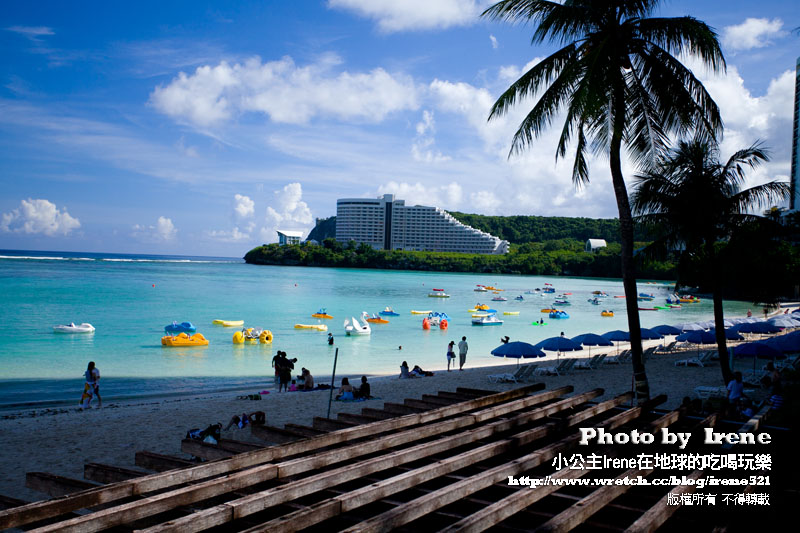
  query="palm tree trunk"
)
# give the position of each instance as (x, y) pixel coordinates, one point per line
(641, 386)
(719, 317)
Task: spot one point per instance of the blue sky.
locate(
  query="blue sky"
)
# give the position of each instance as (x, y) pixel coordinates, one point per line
(200, 127)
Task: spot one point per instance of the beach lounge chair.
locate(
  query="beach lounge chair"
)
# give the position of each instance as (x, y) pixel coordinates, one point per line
(592, 363)
(702, 359)
(648, 352)
(561, 368)
(624, 357)
(666, 349)
(520, 375)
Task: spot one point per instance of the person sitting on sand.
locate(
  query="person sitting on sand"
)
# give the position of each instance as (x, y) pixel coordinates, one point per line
(404, 373)
(256, 418)
(346, 391)
(293, 386)
(420, 373)
(308, 380)
(364, 391)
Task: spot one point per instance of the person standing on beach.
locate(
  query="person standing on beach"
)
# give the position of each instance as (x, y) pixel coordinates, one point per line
(462, 353)
(92, 376)
(451, 354)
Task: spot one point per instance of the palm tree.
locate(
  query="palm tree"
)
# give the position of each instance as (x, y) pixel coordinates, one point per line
(695, 201)
(619, 82)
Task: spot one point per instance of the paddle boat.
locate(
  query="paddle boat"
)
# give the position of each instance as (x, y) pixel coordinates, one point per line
(438, 293)
(490, 320)
(490, 288)
(354, 327)
(252, 336)
(548, 289)
(558, 314)
(415, 312)
(229, 323)
(606, 312)
(480, 288)
(435, 320)
(74, 328)
(322, 313)
(645, 296)
(600, 294)
(375, 319)
(594, 301)
(673, 299)
(388, 311)
(316, 327)
(561, 302)
(183, 327)
(519, 298)
(689, 299)
(499, 299)
(182, 339)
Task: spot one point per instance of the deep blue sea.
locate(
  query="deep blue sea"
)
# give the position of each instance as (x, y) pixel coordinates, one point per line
(130, 298)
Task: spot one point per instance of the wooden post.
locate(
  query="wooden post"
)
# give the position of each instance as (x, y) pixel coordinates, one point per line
(333, 378)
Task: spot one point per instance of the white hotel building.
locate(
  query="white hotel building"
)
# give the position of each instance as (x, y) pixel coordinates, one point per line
(389, 224)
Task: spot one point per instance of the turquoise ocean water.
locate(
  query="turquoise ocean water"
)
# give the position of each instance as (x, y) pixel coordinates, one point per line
(129, 299)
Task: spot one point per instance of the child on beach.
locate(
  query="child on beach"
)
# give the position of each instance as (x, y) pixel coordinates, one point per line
(451, 354)
(91, 387)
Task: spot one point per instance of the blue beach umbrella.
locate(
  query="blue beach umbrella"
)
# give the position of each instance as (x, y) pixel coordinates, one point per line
(690, 326)
(730, 334)
(592, 339)
(789, 343)
(558, 344)
(697, 337)
(617, 335)
(756, 327)
(757, 350)
(518, 350)
(666, 329)
(649, 334)
(784, 321)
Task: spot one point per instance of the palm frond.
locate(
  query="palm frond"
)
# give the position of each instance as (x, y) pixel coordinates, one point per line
(684, 34)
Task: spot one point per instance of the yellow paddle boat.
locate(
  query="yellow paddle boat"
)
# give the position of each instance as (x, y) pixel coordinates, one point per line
(252, 336)
(183, 339)
(547, 310)
(322, 313)
(481, 307)
(229, 323)
(606, 313)
(415, 312)
(375, 319)
(317, 327)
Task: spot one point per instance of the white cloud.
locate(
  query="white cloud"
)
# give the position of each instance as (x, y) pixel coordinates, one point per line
(494, 41)
(38, 216)
(163, 231)
(422, 147)
(286, 92)
(447, 196)
(511, 73)
(393, 16)
(243, 207)
(235, 235)
(287, 212)
(485, 202)
(752, 33)
(34, 33)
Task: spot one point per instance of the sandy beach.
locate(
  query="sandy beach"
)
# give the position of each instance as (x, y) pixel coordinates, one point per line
(61, 440)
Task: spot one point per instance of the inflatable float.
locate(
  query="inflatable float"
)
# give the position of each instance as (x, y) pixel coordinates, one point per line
(252, 336)
(229, 323)
(317, 327)
(182, 339)
(606, 313)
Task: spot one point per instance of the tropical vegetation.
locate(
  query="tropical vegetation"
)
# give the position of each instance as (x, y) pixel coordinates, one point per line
(618, 81)
(693, 201)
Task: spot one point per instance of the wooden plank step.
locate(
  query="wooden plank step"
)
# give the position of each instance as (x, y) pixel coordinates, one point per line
(377, 413)
(330, 424)
(308, 431)
(204, 450)
(426, 406)
(160, 463)
(478, 392)
(238, 446)
(276, 435)
(102, 473)
(438, 400)
(401, 409)
(54, 485)
(355, 419)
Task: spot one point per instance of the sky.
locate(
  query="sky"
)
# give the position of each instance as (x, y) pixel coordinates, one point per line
(199, 128)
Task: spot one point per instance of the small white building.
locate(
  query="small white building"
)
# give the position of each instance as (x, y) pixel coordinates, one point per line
(595, 244)
(289, 237)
